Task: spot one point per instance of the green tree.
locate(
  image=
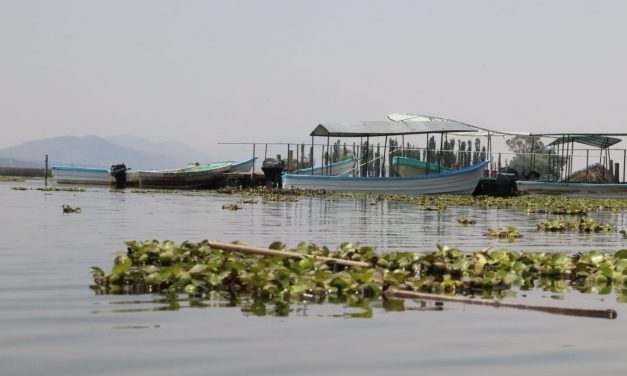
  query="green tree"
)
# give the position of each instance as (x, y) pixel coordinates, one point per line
(531, 155)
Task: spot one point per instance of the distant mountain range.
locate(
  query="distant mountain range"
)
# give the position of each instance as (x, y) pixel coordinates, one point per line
(94, 151)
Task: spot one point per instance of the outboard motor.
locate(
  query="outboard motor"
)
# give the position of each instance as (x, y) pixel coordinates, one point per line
(506, 179)
(118, 171)
(273, 169)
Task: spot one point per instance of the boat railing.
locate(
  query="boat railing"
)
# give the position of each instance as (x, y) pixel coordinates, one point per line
(376, 159)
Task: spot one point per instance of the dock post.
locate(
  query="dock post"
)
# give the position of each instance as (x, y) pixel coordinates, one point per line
(252, 172)
(46, 175)
(624, 162)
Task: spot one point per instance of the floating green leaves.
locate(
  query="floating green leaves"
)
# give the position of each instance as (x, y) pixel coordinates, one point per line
(56, 189)
(12, 179)
(198, 270)
(510, 233)
(557, 205)
(580, 225)
(50, 189)
(231, 207)
(466, 221)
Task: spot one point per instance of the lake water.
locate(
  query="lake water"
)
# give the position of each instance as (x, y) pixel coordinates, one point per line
(51, 322)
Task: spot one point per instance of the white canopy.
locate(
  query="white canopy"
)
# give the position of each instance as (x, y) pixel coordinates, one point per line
(424, 124)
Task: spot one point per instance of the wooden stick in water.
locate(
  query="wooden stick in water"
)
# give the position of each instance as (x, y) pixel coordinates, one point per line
(582, 312)
(273, 252)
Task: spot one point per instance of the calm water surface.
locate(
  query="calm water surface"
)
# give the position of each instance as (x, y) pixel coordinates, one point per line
(52, 323)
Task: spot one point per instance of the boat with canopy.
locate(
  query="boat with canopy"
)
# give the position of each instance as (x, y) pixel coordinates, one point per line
(462, 181)
(594, 179)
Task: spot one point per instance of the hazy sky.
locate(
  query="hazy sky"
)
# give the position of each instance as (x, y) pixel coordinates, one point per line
(202, 72)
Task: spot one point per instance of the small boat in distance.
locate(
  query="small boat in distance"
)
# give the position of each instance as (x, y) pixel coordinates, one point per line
(412, 167)
(81, 175)
(89, 175)
(196, 176)
(594, 180)
(341, 168)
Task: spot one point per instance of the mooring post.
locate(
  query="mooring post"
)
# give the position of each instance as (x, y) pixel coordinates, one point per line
(46, 173)
(252, 172)
(587, 163)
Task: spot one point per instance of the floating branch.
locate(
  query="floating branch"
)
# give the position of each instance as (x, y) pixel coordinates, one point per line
(273, 252)
(582, 312)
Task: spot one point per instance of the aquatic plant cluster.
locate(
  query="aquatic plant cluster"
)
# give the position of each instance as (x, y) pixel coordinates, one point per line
(579, 225)
(509, 233)
(197, 269)
(531, 204)
(50, 189)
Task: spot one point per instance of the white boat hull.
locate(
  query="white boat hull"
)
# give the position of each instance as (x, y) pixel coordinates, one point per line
(461, 182)
(573, 189)
(88, 175)
(181, 178)
(342, 168)
(244, 166)
(81, 175)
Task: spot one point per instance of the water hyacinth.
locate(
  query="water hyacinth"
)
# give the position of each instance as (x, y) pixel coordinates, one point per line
(530, 204)
(197, 269)
(579, 225)
(12, 179)
(510, 233)
(466, 221)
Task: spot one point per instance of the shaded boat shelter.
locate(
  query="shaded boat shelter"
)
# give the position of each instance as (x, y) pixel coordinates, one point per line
(397, 125)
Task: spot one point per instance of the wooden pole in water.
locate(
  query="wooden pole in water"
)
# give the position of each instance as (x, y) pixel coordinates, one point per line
(273, 252)
(624, 163)
(252, 171)
(46, 173)
(581, 312)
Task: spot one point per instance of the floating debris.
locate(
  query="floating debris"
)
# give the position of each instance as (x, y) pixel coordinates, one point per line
(55, 189)
(69, 209)
(249, 201)
(466, 221)
(231, 207)
(50, 189)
